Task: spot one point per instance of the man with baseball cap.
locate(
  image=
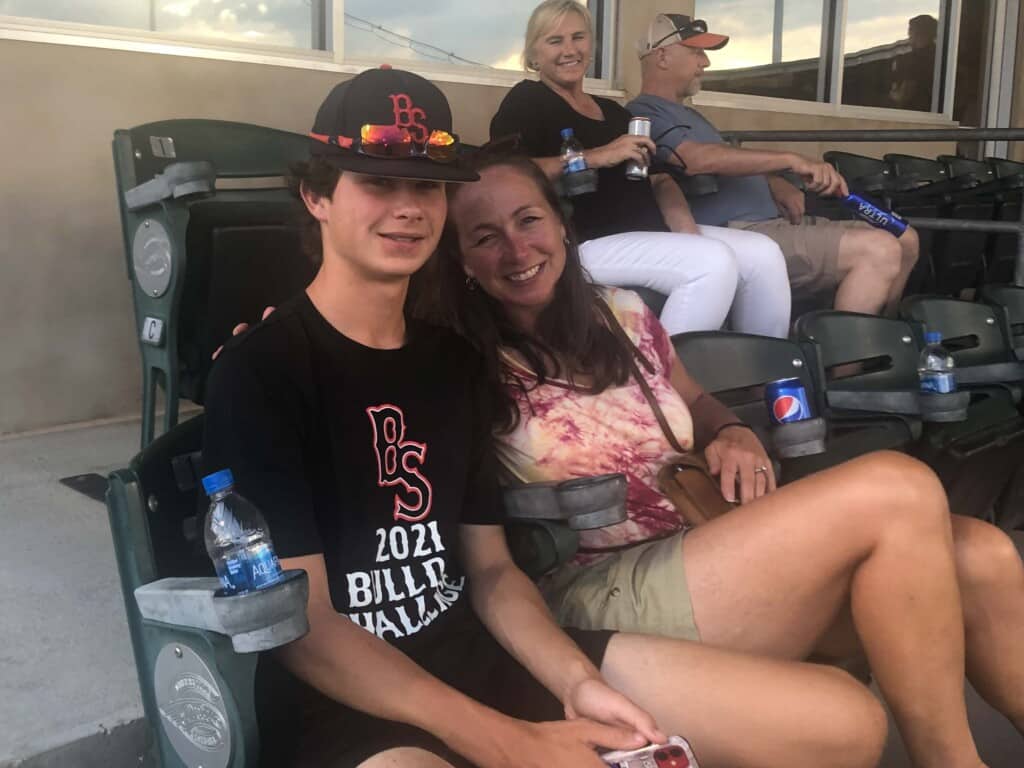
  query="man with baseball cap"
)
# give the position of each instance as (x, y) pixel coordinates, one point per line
(866, 267)
(364, 437)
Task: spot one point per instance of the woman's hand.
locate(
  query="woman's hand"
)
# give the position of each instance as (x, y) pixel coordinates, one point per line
(241, 328)
(626, 147)
(737, 455)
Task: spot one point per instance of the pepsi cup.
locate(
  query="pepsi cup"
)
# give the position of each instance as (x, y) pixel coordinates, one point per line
(787, 401)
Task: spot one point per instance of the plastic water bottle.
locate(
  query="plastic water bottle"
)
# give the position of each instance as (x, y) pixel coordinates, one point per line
(935, 367)
(237, 539)
(573, 160)
(874, 215)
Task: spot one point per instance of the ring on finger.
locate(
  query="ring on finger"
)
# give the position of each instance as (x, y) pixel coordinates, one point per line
(762, 468)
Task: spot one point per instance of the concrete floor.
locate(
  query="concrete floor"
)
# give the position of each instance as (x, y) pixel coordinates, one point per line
(68, 693)
(66, 668)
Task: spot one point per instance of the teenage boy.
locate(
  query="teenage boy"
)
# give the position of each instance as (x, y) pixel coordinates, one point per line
(365, 441)
(866, 267)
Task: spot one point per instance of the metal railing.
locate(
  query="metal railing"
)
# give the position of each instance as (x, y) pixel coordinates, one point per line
(736, 138)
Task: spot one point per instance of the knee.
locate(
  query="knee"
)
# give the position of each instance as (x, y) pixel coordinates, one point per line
(986, 558)
(855, 737)
(405, 757)
(905, 490)
(719, 262)
(882, 253)
(910, 243)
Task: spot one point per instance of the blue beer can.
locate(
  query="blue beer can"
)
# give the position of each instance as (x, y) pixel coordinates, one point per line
(787, 401)
(891, 222)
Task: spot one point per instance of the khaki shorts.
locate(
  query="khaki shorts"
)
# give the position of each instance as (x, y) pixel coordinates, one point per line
(811, 249)
(640, 589)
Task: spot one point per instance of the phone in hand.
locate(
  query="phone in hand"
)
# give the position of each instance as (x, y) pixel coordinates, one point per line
(676, 753)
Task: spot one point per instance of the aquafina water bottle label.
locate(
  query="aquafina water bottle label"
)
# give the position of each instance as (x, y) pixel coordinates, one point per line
(938, 382)
(263, 569)
(575, 163)
(233, 573)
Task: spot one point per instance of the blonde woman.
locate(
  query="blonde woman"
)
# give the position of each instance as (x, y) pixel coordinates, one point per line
(636, 232)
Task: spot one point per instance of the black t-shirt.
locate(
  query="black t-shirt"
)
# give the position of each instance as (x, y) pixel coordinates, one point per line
(538, 115)
(370, 457)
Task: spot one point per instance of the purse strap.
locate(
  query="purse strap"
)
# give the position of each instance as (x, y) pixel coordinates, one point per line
(617, 330)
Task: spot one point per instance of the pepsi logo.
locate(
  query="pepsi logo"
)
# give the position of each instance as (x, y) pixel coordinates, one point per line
(787, 408)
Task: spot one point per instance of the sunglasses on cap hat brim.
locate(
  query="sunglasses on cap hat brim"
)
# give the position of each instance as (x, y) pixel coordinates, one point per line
(692, 34)
(392, 151)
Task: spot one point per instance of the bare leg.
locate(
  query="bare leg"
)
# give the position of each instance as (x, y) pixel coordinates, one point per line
(992, 584)
(405, 757)
(910, 246)
(738, 710)
(991, 578)
(771, 577)
(870, 261)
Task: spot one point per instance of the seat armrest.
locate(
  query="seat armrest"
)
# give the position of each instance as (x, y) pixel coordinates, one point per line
(583, 503)
(893, 401)
(177, 180)
(994, 373)
(799, 438)
(255, 621)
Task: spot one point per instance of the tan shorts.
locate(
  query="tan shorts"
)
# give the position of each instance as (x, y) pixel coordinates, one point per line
(811, 249)
(640, 589)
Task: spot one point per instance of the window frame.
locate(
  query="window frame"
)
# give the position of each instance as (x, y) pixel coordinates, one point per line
(830, 87)
(331, 27)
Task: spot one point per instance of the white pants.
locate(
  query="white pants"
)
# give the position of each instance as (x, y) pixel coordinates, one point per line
(703, 276)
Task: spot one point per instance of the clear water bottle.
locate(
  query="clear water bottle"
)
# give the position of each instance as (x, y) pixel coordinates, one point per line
(573, 160)
(935, 367)
(237, 539)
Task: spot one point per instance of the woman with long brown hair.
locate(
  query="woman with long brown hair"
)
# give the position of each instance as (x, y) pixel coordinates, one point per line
(860, 556)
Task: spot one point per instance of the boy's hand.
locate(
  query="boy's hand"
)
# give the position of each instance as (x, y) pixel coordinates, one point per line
(594, 699)
(565, 743)
(242, 328)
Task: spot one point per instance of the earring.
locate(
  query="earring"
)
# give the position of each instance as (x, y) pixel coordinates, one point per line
(471, 283)
(565, 240)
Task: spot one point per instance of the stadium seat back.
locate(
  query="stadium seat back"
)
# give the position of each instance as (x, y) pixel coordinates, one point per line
(207, 221)
(1011, 299)
(885, 349)
(975, 334)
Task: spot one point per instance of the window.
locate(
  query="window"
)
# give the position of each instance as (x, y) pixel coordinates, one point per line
(890, 54)
(775, 47)
(460, 33)
(279, 23)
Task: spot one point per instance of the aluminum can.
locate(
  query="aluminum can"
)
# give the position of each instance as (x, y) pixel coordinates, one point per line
(638, 126)
(787, 401)
(874, 215)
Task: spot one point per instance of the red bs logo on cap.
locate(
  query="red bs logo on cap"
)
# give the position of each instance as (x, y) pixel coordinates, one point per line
(408, 116)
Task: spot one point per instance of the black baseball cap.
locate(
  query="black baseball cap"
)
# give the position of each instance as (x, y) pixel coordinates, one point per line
(393, 98)
(671, 28)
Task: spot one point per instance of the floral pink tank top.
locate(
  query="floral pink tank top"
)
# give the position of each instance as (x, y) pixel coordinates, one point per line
(564, 433)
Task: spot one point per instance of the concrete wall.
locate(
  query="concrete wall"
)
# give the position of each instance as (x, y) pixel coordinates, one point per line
(69, 351)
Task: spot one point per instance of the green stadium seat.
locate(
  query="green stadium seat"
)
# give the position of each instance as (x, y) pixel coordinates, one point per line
(210, 237)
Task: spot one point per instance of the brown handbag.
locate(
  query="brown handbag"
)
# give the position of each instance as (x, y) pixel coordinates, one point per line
(686, 480)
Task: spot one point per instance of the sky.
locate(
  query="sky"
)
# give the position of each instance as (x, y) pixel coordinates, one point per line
(749, 24)
(482, 31)
(487, 32)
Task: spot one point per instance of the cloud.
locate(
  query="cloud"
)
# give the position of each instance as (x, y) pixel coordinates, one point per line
(181, 8)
